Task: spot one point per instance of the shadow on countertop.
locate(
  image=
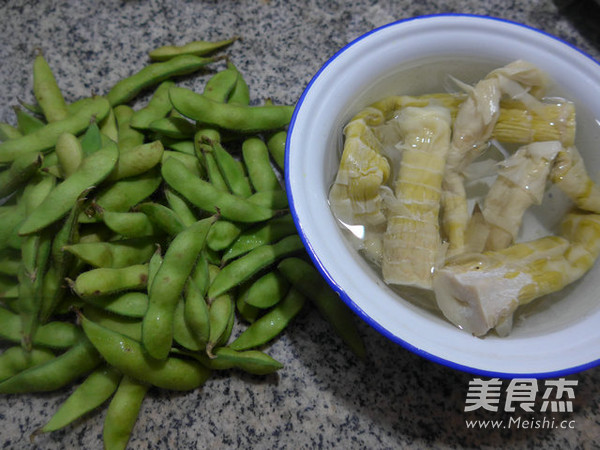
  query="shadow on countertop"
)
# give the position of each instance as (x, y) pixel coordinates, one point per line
(584, 16)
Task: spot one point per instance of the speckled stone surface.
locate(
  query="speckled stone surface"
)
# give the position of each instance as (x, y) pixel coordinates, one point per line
(324, 397)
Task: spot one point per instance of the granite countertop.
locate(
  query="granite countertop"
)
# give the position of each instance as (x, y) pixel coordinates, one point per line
(323, 397)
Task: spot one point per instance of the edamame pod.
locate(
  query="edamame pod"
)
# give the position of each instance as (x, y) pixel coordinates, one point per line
(106, 281)
(240, 118)
(243, 268)
(258, 163)
(174, 127)
(127, 136)
(220, 85)
(270, 325)
(46, 90)
(203, 195)
(91, 140)
(137, 160)
(113, 254)
(276, 146)
(220, 315)
(162, 217)
(222, 234)
(267, 290)
(167, 286)
(129, 304)
(91, 393)
(196, 311)
(157, 108)
(14, 360)
(129, 357)
(180, 206)
(27, 123)
(122, 413)
(251, 361)
(129, 224)
(197, 48)
(19, 172)
(45, 138)
(152, 74)
(305, 278)
(60, 200)
(70, 154)
(56, 373)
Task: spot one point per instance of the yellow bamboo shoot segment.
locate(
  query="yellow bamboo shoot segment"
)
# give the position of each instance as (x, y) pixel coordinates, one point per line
(411, 242)
(570, 175)
(480, 291)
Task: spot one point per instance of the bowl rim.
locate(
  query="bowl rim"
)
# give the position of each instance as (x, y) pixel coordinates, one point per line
(325, 273)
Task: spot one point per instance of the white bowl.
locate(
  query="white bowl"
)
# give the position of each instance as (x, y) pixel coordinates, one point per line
(562, 336)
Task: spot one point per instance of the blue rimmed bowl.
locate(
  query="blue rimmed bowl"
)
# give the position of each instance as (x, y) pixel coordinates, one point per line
(561, 334)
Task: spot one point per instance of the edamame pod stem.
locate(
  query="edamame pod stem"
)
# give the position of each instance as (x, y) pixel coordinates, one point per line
(106, 281)
(56, 373)
(126, 89)
(240, 118)
(129, 357)
(243, 268)
(270, 325)
(307, 280)
(203, 195)
(45, 138)
(60, 200)
(122, 413)
(19, 172)
(46, 90)
(15, 360)
(167, 286)
(59, 335)
(197, 48)
(91, 393)
(157, 108)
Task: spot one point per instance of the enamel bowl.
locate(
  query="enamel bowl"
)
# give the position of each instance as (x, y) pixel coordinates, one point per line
(559, 334)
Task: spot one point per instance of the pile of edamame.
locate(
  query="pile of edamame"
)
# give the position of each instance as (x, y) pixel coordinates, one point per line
(145, 246)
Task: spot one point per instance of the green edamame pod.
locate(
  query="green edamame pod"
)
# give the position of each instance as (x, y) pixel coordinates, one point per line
(158, 107)
(167, 286)
(19, 172)
(123, 194)
(248, 312)
(113, 254)
(128, 356)
(59, 335)
(45, 138)
(275, 199)
(222, 234)
(7, 131)
(15, 360)
(267, 290)
(10, 260)
(127, 136)
(206, 197)
(251, 361)
(129, 224)
(215, 176)
(129, 304)
(108, 126)
(173, 127)
(229, 116)
(181, 332)
(46, 90)
(258, 163)
(122, 413)
(27, 123)
(196, 311)
(191, 162)
(220, 315)
(180, 207)
(106, 281)
(305, 278)
(271, 231)
(98, 387)
(270, 325)
(127, 326)
(55, 373)
(196, 48)
(162, 217)
(183, 146)
(137, 160)
(70, 154)
(243, 268)
(155, 262)
(233, 172)
(240, 95)
(127, 88)
(60, 200)
(220, 85)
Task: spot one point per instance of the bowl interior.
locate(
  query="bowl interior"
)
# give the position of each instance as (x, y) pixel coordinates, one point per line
(560, 334)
